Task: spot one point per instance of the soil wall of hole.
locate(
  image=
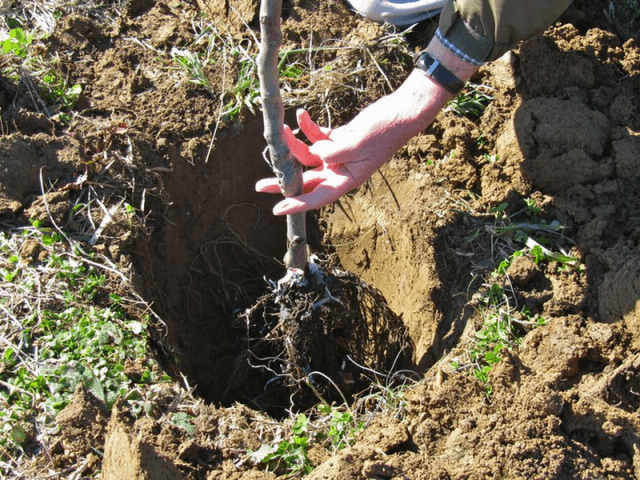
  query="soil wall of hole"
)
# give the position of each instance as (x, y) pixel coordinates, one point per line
(207, 259)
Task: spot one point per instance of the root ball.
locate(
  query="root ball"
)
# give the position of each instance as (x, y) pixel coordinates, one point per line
(321, 337)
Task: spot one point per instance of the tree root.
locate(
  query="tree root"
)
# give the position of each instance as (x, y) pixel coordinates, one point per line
(315, 339)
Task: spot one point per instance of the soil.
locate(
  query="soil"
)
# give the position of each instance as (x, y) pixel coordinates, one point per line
(563, 128)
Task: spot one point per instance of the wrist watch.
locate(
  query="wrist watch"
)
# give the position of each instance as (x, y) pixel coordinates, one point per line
(434, 69)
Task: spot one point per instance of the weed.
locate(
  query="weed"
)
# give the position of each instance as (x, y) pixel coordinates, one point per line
(471, 102)
(333, 428)
(292, 71)
(58, 91)
(497, 333)
(342, 428)
(532, 210)
(499, 210)
(17, 43)
(40, 74)
(246, 91)
(630, 9)
(503, 327)
(494, 296)
(61, 330)
(184, 421)
(491, 158)
(288, 455)
(192, 65)
(288, 68)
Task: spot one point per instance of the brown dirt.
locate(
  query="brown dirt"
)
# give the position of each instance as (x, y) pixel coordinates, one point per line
(565, 126)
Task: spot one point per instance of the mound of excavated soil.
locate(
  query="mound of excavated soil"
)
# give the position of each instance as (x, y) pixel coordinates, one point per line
(563, 128)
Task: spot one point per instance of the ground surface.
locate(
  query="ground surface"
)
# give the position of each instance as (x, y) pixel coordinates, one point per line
(563, 129)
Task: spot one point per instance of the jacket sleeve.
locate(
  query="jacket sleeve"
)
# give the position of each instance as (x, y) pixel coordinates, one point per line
(482, 30)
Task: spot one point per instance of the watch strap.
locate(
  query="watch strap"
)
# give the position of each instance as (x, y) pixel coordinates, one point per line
(434, 69)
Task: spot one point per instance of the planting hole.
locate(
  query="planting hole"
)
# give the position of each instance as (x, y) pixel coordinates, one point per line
(209, 261)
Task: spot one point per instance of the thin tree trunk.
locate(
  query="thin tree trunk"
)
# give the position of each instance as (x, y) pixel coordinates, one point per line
(283, 163)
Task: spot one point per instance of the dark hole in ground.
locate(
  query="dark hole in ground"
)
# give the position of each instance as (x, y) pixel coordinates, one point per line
(208, 262)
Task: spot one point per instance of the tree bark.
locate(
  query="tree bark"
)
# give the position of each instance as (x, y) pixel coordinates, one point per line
(284, 165)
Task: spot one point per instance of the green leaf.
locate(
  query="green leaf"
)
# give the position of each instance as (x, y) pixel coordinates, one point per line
(300, 425)
(8, 354)
(491, 358)
(264, 454)
(538, 254)
(18, 435)
(7, 275)
(183, 420)
(17, 43)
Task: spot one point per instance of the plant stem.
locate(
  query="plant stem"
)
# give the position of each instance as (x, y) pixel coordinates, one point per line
(283, 163)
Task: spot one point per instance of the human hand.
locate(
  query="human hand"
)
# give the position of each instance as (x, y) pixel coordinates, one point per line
(342, 158)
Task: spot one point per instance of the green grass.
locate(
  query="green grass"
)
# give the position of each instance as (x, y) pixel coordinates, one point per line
(212, 49)
(65, 326)
(51, 91)
(192, 65)
(246, 90)
(522, 233)
(471, 102)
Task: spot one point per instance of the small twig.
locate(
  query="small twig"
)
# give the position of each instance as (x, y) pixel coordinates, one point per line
(33, 94)
(106, 221)
(375, 62)
(315, 372)
(379, 374)
(12, 388)
(222, 93)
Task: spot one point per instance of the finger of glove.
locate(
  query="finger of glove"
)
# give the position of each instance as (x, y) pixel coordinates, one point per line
(310, 128)
(300, 150)
(311, 179)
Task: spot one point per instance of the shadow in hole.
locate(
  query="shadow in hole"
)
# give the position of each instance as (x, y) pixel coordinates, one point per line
(207, 264)
(207, 260)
